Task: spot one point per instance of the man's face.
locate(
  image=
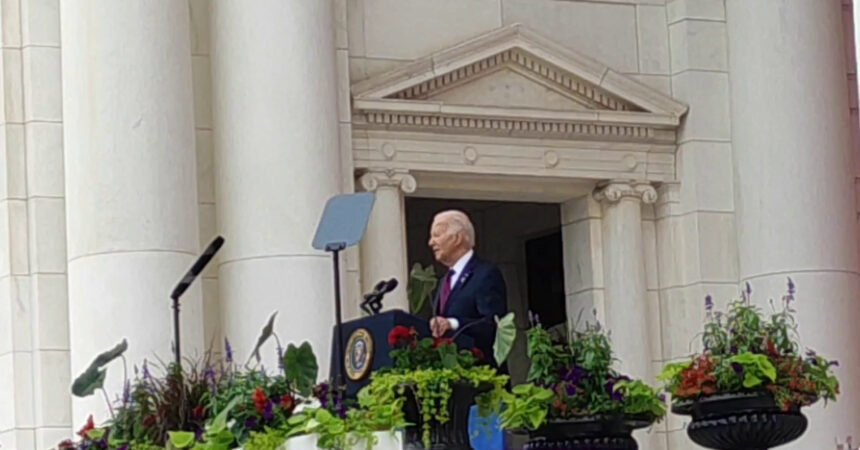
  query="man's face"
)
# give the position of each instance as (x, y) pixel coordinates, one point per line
(444, 244)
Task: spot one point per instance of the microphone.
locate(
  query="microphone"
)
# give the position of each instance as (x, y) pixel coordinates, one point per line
(373, 301)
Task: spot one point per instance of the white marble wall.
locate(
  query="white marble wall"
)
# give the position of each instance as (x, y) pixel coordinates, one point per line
(202, 79)
(34, 331)
(696, 245)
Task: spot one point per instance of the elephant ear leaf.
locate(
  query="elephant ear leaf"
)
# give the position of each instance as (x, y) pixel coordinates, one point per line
(300, 367)
(94, 376)
(421, 283)
(506, 333)
(265, 334)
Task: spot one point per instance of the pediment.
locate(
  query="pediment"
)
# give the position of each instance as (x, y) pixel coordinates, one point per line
(514, 81)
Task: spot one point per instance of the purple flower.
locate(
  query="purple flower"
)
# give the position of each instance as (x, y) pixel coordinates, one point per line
(126, 392)
(251, 423)
(209, 374)
(662, 397)
(790, 287)
(833, 363)
(267, 411)
(748, 288)
(739, 369)
(733, 350)
(146, 374)
(122, 447)
(610, 388)
(228, 351)
(573, 375)
(709, 303)
(570, 389)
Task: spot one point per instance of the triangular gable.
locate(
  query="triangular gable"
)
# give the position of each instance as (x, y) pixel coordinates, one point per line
(415, 93)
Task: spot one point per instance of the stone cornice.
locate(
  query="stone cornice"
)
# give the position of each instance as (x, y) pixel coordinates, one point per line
(374, 179)
(614, 191)
(608, 106)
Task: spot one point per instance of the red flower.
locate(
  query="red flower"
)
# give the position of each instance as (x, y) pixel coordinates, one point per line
(438, 342)
(198, 412)
(288, 403)
(149, 420)
(66, 445)
(478, 354)
(400, 335)
(89, 426)
(259, 398)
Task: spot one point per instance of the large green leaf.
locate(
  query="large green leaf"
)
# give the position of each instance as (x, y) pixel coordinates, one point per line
(422, 281)
(506, 333)
(265, 334)
(300, 367)
(219, 423)
(93, 377)
(181, 439)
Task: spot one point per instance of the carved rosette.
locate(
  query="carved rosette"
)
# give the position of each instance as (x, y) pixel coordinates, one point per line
(614, 191)
(371, 181)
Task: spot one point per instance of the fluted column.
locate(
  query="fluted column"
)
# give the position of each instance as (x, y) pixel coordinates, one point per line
(626, 304)
(130, 174)
(794, 182)
(276, 164)
(383, 249)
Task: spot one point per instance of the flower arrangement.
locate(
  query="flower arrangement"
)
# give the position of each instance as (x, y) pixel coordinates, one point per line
(576, 380)
(745, 350)
(428, 370)
(222, 406)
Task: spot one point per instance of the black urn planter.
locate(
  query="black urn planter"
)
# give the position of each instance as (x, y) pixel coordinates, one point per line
(741, 421)
(453, 434)
(588, 433)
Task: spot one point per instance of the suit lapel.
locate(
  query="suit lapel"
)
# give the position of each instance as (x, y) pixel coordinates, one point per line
(461, 280)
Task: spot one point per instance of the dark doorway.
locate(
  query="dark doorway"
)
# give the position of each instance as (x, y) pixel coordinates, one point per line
(545, 278)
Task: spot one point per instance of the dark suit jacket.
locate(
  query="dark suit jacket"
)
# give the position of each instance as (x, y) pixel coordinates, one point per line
(478, 296)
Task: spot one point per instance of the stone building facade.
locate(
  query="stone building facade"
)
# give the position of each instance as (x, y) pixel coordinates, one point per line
(685, 147)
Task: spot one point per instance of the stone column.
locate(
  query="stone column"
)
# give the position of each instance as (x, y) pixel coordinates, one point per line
(794, 192)
(130, 177)
(383, 249)
(276, 164)
(626, 301)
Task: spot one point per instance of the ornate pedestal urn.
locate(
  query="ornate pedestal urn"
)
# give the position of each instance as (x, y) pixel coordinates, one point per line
(451, 435)
(588, 433)
(741, 421)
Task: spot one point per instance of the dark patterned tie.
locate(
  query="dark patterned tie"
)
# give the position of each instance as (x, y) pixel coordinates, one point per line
(445, 292)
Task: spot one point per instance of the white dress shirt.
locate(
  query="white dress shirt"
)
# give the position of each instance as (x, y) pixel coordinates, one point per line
(457, 268)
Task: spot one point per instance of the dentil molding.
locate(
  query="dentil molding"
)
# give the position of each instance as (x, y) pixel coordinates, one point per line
(614, 191)
(373, 180)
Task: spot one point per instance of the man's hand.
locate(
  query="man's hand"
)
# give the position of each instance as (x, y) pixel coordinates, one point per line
(439, 326)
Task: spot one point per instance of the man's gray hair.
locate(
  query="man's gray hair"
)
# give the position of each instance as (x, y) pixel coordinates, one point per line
(458, 222)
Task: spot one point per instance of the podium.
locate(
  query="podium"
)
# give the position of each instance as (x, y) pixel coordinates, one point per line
(365, 344)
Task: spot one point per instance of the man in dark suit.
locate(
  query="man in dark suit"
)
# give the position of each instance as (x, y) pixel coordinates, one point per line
(473, 291)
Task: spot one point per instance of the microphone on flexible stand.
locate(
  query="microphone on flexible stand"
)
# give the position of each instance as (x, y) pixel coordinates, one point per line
(372, 303)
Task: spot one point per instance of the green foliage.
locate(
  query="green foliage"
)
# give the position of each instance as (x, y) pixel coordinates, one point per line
(300, 367)
(580, 381)
(640, 399)
(745, 349)
(93, 377)
(506, 333)
(757, 368)
(181, 439)
(526, 407)
(432, 389)
(422, 281)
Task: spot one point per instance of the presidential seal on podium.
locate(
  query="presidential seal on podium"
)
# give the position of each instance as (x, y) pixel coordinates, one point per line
(358, 358)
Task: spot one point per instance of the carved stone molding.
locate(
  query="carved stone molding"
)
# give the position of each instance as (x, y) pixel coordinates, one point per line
(375, 179)
(614, 191)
